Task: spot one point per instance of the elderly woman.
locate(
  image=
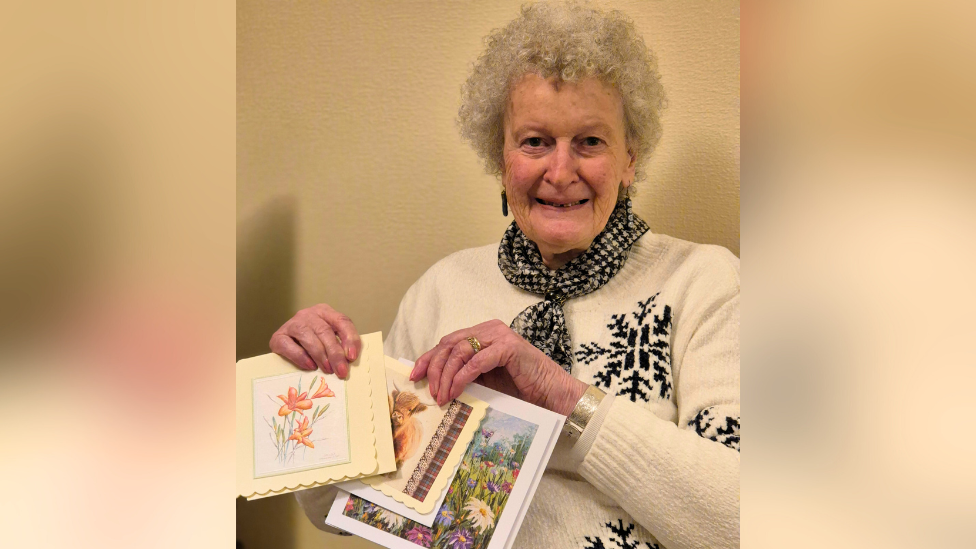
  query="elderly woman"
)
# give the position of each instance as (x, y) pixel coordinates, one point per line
(580, 309)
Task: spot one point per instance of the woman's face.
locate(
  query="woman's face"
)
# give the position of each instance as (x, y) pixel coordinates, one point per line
(565, 158)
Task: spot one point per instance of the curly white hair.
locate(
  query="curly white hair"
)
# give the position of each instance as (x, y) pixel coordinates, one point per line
(569, 41)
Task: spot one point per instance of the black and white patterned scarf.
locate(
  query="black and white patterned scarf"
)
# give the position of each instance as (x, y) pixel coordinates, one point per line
(543, 324)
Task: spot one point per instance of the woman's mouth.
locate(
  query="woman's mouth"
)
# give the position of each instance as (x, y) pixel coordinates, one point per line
(561, 204)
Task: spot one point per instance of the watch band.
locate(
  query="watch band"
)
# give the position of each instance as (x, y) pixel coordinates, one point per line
(583, 411)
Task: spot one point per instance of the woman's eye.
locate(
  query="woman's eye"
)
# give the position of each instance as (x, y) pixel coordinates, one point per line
(533, 142)
(592, 141)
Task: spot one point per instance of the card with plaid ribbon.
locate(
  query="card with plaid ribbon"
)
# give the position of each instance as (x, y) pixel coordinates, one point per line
(428, 440)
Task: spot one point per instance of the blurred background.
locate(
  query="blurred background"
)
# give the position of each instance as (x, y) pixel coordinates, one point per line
(116, 273)
(352, 179)
(858, 219)
(117, 244)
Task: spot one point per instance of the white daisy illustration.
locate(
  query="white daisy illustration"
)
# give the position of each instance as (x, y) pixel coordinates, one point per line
(479, 513)
(392, 520)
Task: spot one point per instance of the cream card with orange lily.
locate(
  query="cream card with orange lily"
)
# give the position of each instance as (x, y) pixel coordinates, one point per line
(428, 440)
(298, 429)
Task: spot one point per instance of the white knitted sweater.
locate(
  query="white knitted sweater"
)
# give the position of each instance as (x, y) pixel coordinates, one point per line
(659, 463)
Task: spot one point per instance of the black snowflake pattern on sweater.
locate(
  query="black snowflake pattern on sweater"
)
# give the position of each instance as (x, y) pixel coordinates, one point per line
(638, 357)
(620, 536)
(713, 425)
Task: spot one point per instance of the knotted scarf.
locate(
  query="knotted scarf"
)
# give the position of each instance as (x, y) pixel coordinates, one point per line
(543, 324)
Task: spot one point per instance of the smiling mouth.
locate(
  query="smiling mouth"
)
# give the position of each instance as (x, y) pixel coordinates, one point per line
(558, 205)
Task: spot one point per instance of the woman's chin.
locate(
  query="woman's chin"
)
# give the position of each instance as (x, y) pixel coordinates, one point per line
(557, 232)
(560, 240)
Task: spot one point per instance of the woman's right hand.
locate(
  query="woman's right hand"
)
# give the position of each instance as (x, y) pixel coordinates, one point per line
(318, 337)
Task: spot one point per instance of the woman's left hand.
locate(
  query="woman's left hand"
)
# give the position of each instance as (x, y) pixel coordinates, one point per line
(453, 364)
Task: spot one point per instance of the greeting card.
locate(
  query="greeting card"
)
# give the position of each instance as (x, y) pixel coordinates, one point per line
(297, 429)
(489, 493)
(428, 440)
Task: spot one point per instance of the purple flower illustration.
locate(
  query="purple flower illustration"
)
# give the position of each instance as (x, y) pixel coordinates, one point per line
(515, 465)
(471, 483)
(420, 535)
(460, 539)
(507, 487)
(487, 434)
(492, 487)
(444, 516)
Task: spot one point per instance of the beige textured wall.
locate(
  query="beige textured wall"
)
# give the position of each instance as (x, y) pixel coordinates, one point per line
(352, 180)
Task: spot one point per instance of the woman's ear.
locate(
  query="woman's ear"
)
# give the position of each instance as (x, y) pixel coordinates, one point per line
(631, 168)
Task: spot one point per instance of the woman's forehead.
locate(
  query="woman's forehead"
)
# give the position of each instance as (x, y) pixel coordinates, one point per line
(587, 103)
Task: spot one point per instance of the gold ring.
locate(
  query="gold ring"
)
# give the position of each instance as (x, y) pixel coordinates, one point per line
(475, 344)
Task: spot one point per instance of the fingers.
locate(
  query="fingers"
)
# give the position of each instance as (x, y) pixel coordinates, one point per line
(441, 364)
(461, 352)
(420, 367)
(335, 352)
(311, 343)
(291, 351)
(309, 340)
(343, 327)
(481, 363)
(437, 360)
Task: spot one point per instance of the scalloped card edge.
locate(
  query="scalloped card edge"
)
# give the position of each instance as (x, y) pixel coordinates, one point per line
(371, 439)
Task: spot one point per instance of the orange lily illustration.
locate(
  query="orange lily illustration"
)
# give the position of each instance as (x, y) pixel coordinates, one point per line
(323, 391)
(294, 402)
(301, 433)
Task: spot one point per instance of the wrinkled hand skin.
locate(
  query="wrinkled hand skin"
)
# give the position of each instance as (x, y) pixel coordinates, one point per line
(507, 363)
(318, 337)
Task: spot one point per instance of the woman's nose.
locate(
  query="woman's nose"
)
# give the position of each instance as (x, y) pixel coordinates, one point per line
(563, 165)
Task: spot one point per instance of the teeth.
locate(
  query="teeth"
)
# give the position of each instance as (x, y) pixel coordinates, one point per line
(562, 205)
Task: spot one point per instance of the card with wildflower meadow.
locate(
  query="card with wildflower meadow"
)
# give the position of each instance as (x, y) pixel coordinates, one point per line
(298, 429)
(476, 496)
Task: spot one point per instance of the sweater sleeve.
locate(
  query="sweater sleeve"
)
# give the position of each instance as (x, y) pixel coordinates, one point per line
(681, 481)
(316, 503)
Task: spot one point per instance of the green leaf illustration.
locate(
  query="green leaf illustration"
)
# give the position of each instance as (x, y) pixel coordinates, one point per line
(312, 386)
(315, 414)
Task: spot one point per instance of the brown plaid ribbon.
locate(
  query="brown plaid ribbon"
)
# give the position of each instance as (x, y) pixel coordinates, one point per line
(437, 451)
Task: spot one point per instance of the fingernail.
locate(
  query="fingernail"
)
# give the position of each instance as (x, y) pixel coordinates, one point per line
(351, 353)
(309, 365)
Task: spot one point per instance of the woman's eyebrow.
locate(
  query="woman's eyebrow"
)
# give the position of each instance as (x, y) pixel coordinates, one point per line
(518, 131)
(596, 127)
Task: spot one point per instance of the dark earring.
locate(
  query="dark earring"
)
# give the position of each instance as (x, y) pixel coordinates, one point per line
(624, 192)
(504, 204)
